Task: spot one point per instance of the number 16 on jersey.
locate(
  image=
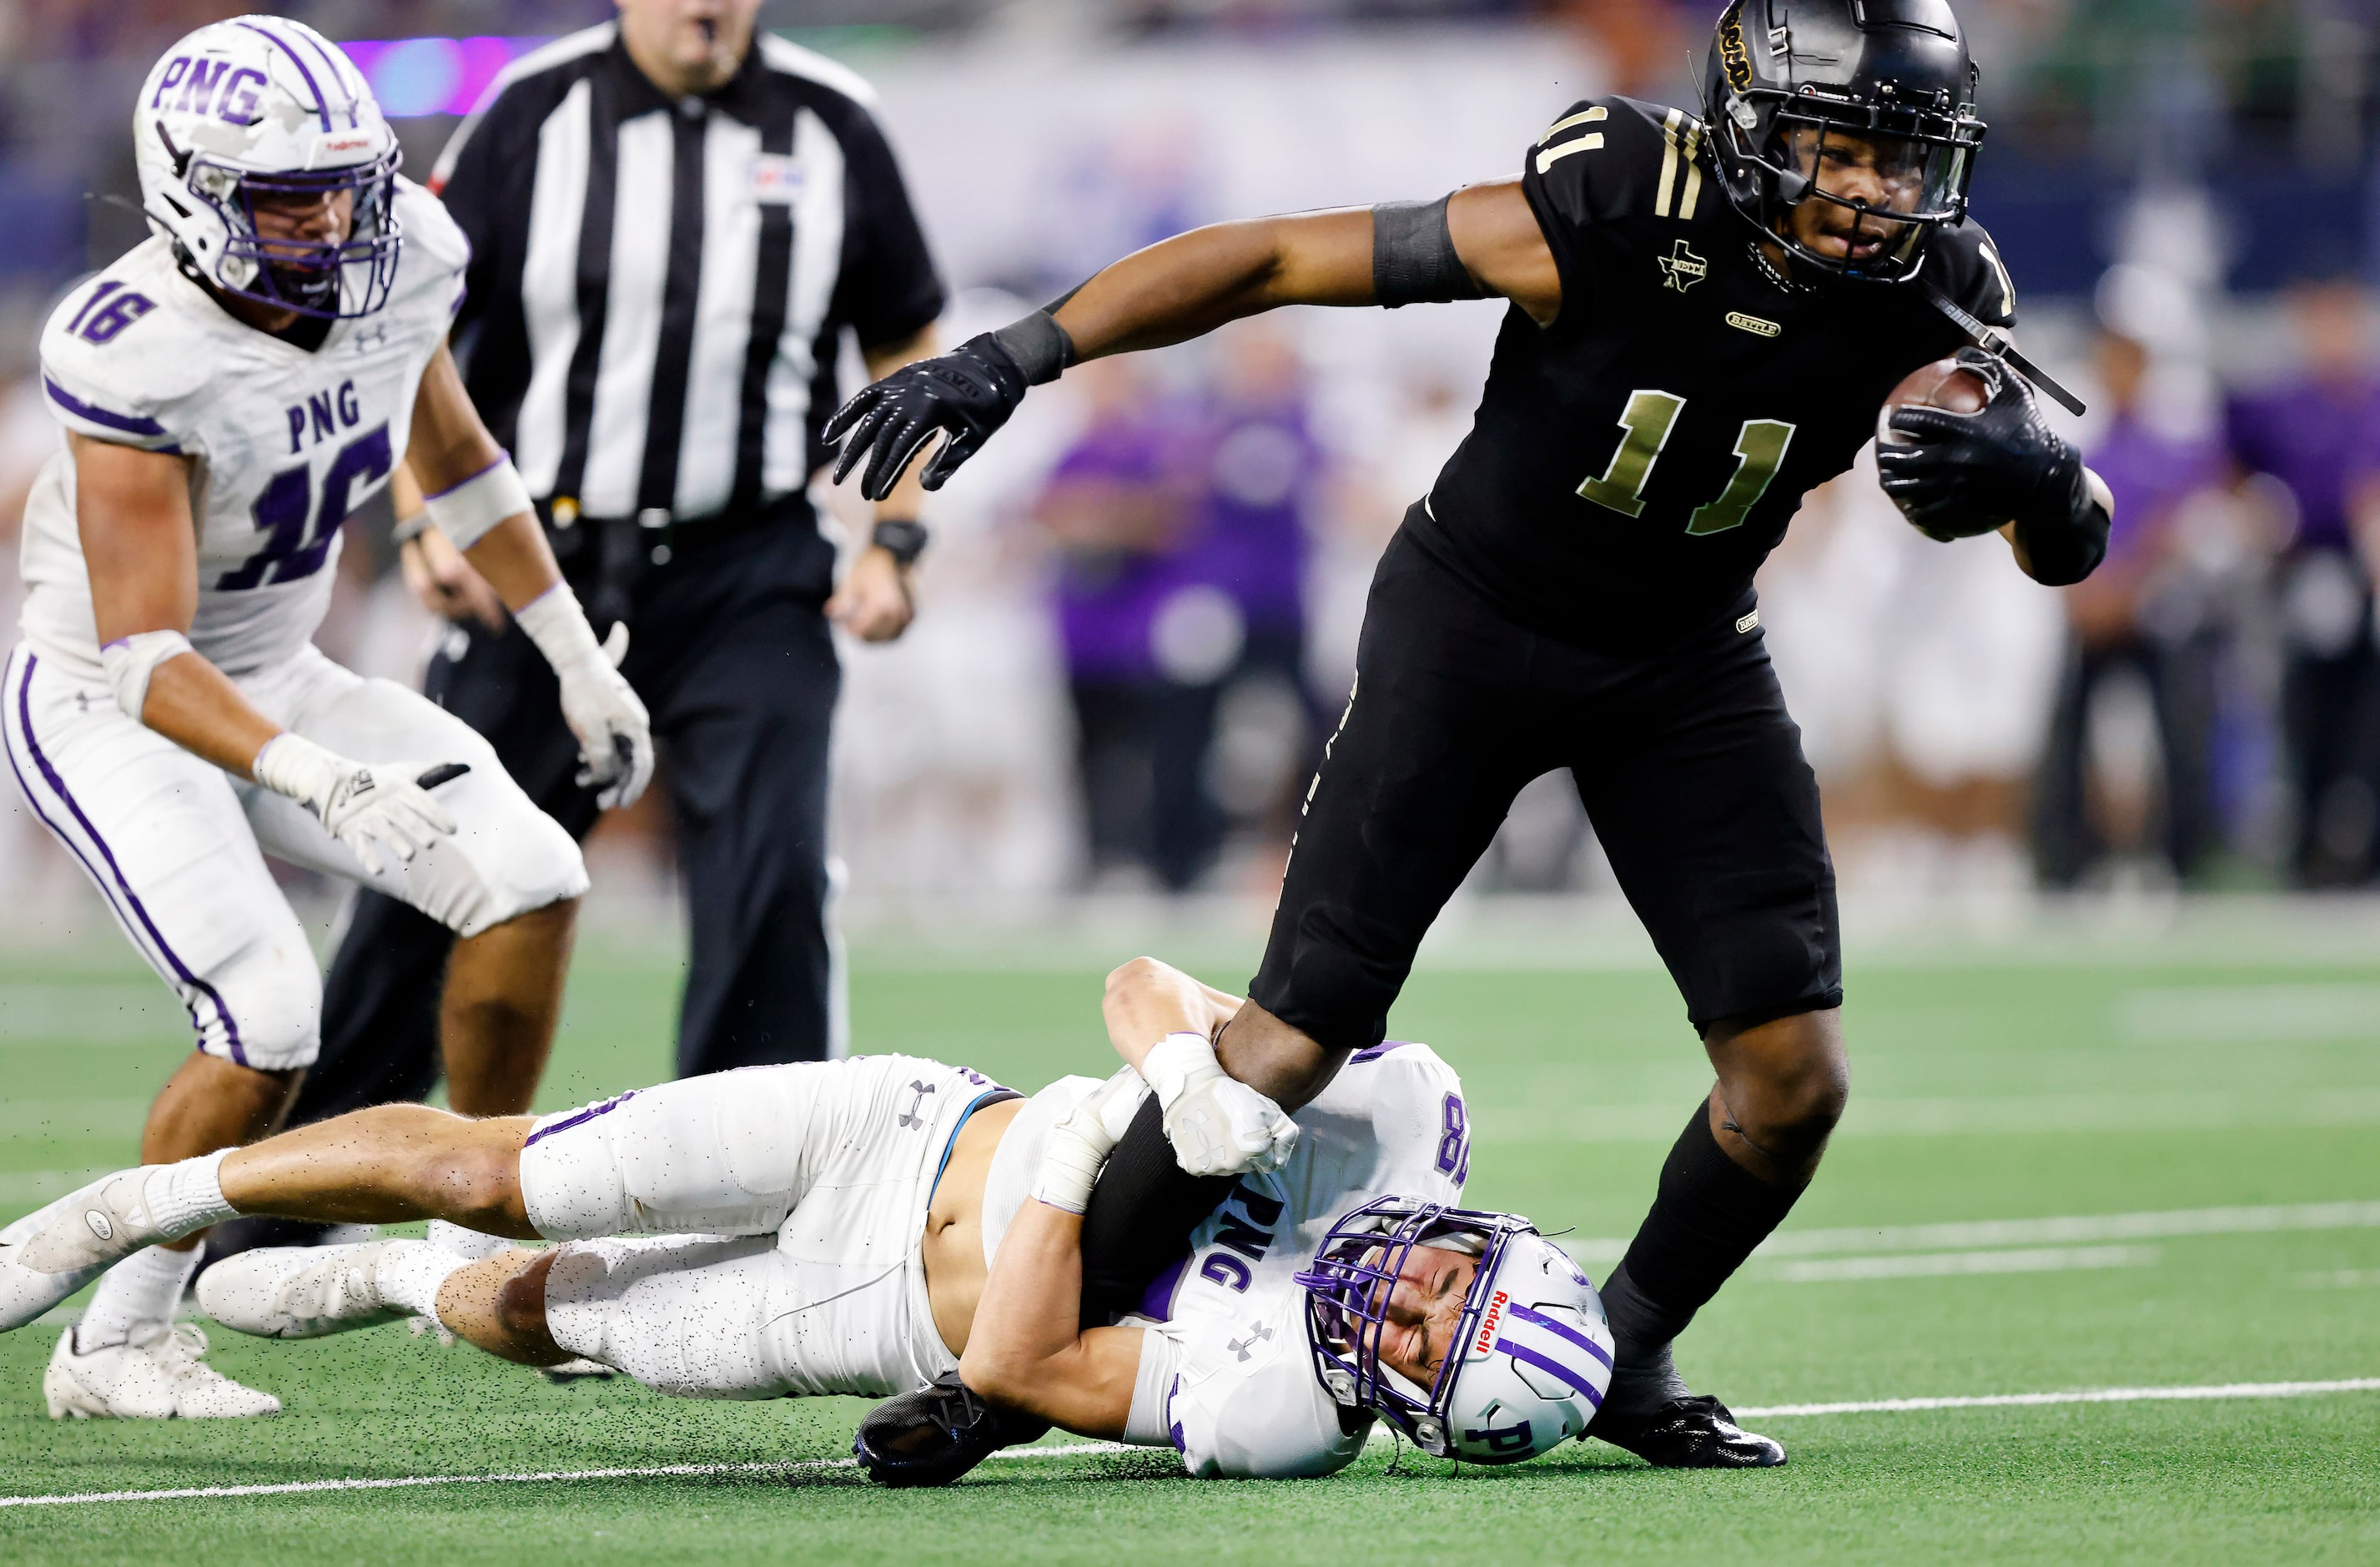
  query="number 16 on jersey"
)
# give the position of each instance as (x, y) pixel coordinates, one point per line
(1644, 428)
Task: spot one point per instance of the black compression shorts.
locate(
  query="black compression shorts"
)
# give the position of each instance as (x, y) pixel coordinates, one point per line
(1690, 768)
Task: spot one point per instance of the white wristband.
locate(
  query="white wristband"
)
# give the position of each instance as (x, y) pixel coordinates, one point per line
(293, 765)
(1173, 1062)
(558, 626)
(466, 512)
(130, 661)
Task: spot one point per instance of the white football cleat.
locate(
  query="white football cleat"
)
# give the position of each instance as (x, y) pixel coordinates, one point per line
(300, 1292)
(156, 1375)
(52, 1252)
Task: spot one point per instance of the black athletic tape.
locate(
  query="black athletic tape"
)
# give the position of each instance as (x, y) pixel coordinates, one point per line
(1413, 256)
(1038, 345)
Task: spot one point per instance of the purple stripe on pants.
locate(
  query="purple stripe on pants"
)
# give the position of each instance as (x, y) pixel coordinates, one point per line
(589, 1113)
(58, 786)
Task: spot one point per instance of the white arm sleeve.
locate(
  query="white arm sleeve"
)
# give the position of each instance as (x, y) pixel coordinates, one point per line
(1160, 1365)
(466, 513)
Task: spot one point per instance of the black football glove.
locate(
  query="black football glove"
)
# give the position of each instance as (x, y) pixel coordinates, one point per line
(1955, 476)
(963, 395)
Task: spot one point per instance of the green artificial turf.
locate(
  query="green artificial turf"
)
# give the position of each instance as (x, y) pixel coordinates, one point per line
(1998, 1089)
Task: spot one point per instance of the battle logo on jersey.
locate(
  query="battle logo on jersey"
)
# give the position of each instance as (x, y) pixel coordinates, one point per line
(1732, 55)
(1681, 269)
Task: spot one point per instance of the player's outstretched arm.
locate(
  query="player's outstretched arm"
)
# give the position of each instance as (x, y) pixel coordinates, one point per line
(1483, 240)
(1164, 1023)
(1028, 1348)
(475, 498)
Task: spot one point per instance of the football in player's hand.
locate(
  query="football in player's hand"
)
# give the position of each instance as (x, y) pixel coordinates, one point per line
(1946, 384)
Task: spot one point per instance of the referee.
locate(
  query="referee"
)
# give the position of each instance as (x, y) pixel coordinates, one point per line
(672, 224)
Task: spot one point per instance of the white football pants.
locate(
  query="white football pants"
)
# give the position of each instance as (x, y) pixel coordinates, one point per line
(807, 1187)
(176, 845)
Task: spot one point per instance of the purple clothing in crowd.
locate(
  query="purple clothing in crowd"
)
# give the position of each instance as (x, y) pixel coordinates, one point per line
(2314, 439)
(1107, 601)
(1261, 464)
(2148, 473)
(1246, 475)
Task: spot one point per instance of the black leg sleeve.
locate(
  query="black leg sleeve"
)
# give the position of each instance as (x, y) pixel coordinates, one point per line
(1708, 1215)
(1141, 1215)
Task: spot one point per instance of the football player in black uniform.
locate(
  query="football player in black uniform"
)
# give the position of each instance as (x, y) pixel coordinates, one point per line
(1708, 314)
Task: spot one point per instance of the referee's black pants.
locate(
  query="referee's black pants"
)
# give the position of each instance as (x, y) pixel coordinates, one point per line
(729, 650)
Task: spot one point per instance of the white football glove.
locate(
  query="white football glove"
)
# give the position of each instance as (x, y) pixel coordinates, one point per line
(1218, 1124)
(368, 807)
(616, 734)
(1078, 1146)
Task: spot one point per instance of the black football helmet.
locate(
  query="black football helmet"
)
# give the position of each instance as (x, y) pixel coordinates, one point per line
(1868, 105)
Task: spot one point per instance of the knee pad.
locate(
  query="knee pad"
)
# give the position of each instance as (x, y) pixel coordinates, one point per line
(262, 1008)
(528, 864)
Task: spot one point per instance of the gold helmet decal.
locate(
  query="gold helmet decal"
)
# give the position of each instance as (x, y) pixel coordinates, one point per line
(1732, 59)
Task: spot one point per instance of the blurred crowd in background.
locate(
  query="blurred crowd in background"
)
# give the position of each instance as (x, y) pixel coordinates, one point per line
(1140, 613)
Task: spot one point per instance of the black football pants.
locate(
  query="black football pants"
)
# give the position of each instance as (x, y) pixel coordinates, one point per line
(729, 651)
(1689, 766)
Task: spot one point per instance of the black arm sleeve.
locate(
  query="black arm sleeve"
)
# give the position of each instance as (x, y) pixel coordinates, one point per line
(1140, 1217)
(1413, 261)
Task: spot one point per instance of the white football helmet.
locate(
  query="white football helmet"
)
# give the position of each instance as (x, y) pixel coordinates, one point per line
(1533, 1355)
(262, 105)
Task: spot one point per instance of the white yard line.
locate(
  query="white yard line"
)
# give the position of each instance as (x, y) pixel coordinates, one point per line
(2086, 1395)
(1968, 1235)
(1948, 1264)
(410, 1482)
(1076, 1450)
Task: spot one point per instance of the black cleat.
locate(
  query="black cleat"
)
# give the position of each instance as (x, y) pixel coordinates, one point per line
(933, 1436)
(1687, 1433)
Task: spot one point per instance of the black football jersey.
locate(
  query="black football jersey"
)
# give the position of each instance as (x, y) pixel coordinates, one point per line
(1633, 464)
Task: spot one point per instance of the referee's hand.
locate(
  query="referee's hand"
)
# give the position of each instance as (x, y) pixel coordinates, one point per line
(963, 395)
(874, 602)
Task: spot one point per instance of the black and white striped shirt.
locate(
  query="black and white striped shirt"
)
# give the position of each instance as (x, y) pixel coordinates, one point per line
(658, 287)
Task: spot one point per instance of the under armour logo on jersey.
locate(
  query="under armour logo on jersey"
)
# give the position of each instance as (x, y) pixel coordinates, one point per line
(371, 338)
(910, 1117)
(1256, 1335)
(1681, 269)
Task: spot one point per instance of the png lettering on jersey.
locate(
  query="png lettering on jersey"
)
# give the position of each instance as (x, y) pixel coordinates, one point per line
(326, 413)
(1247, 1231)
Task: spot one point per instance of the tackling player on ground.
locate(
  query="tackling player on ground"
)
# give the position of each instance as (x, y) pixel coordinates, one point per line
(230, 391)
(882, 1223)
(1706, 313)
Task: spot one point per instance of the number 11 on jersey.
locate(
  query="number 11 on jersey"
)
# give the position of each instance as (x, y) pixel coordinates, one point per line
(1644, 426)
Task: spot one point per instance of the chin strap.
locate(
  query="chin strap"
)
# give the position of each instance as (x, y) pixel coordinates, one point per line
(1997, 344)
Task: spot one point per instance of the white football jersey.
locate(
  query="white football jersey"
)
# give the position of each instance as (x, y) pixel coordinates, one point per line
(1226, 1373)
(284, 443)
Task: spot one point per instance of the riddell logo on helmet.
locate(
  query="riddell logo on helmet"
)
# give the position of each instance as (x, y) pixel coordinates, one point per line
(1489, 1323)
(347, 144)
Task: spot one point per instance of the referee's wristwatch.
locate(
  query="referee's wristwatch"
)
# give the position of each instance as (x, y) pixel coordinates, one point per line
(901, 538)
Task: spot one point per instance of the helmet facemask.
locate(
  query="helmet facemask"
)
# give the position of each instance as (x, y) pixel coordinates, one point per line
(1881, 176)
(1349, 1287)
(333, 277)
